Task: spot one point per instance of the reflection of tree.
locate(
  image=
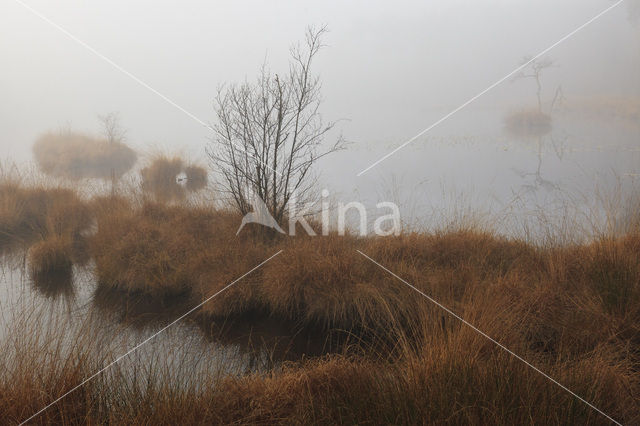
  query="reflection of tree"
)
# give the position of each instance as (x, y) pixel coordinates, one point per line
(536, 125)
(538, 181)
(558, 99)
(559, 145)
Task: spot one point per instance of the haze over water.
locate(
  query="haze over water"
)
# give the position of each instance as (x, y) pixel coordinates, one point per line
(388, 72)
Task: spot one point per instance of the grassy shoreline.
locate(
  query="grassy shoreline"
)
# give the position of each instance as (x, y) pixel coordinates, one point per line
(573, 311)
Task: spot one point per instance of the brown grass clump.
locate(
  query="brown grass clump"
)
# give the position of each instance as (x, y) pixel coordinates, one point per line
(159, 249)
(160, 179)
(76, 156)
(28, 213)
(196, 178)
(16, 213)
(50, 256)
(323, 282)
(613, 272)
(528, 123)
(105, 206)
(163, 178)
(66, 213)
(326, 282)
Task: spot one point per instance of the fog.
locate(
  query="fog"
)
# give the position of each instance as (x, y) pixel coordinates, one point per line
(503, 190)
(386, 65)
(388, 71)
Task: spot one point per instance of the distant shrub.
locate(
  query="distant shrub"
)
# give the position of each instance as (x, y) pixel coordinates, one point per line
(196, 178)
(528, 123)
(30, 212)
(50, 256)
(14, 212)
(76, 156)
(163, 179)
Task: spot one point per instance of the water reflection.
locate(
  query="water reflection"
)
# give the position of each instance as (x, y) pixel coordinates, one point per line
(54, 284)
(264, 342)
(509, 177)
(139, 310)
(534, 180)
(276, 339)
(75, 314)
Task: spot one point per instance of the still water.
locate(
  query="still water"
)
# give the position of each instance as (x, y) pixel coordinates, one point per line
(471, 164)
(71, 315)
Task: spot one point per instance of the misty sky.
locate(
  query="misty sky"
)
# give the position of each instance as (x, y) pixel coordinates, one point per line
(387, 66)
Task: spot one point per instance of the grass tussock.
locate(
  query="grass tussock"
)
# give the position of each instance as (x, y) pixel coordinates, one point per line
(171, 178)
(159, 249)
(50, 256)
(51, 266)
(38, 212)
(160, 178)
(528, 123)
(76, 156)
(49, 223)
(196, 178)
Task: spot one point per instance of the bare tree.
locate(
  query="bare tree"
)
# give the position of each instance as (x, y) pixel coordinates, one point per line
(269, 133)
(111, 128)
(114, 133)
(535, 71)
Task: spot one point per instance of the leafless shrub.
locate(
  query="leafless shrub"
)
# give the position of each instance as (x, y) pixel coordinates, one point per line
(76, 156)
(534, 70)
(160, 178)
(269, 133)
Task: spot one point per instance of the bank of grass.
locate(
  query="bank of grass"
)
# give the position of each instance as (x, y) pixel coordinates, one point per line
(51, 256)
(196, 177)
(29, 213)
(454, 380)
(573, 311)
(323, 281)
(76, 156)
